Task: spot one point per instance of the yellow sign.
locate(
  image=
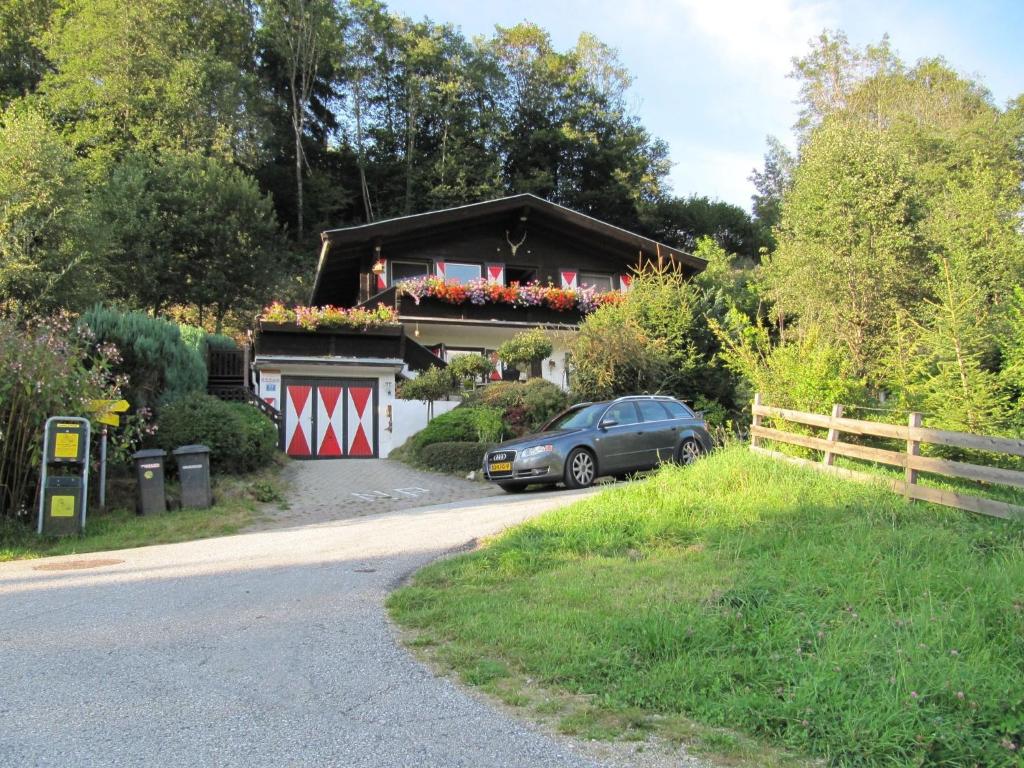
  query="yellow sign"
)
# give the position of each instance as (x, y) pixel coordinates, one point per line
(62, 506)
(107, 411)
(109, 406)
(65, 445)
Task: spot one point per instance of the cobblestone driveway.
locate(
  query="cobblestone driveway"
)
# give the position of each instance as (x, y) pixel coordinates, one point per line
(338, 489)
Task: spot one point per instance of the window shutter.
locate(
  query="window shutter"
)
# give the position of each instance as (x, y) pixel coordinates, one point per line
(439, 267)
(625, 283)
(496, 273)
(382, 282)
(570, 278)
(495, 374)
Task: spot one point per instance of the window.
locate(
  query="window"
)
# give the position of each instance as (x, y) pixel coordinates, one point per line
(651, 410)
(404, 270)
(461, 273)
(601, 283)
(521, 275)
(450, 354)
(623, 413)
(580, 417)
(677, 410)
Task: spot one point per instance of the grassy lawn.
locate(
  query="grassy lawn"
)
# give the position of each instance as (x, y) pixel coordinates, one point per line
(827, 618)
(236, 506)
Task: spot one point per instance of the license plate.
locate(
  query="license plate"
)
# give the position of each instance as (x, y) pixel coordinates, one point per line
(502, 466)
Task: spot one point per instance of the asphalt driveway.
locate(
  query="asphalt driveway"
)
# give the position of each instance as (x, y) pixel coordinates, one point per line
(337, 489)
(263, 649)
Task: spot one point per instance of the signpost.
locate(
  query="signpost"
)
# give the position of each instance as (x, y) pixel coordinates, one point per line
(107, 414)
(65, 482)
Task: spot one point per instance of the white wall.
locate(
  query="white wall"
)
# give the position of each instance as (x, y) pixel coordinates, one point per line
(484, 337)
(407, 418)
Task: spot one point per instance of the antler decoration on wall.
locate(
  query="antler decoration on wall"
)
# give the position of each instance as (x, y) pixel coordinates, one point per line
(514, 246)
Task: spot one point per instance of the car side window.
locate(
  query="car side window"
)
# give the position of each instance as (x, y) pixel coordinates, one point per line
(678, 410)
(651, 410)
(623, 413)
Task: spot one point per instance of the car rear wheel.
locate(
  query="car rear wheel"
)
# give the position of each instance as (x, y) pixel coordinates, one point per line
(580, 469)
(689, 451)
(512, 487)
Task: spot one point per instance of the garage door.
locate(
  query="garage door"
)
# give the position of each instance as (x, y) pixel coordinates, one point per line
(329, 418)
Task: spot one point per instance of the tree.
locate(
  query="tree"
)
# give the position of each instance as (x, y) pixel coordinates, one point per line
(848, 254)
(526, 348)
(305, 35)
(49, 240)
(190, 230)
(153, 74)
(771, 185)
(22, 63)
(432, 384)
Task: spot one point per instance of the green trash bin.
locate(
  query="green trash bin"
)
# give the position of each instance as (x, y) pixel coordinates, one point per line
(151, 498)
(194, 472)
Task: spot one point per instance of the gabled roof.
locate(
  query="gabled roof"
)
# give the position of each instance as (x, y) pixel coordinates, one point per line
(343, 247)
(421, 221)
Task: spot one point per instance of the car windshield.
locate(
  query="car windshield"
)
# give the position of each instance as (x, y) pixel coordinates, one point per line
(578, 418)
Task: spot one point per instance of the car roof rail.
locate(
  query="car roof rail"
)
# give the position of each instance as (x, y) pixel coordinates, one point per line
(643, 397)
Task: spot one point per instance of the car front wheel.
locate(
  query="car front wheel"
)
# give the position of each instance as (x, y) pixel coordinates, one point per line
(580, 469)
(689, 451)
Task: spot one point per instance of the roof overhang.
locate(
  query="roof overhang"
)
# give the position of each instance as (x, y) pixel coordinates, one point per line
(349, 243)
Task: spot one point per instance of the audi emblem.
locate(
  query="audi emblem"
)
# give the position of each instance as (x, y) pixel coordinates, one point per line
(499, 456)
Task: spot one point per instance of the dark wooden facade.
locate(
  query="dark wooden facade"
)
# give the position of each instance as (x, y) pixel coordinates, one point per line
(530, 237)
(290, 341)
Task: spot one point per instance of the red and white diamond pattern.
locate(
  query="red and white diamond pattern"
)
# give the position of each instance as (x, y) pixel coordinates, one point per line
(570, 278)
(298, 420)
(360, 421)
(329, 426)
(496, 273)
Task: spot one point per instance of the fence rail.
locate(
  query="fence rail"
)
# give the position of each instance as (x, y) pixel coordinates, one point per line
(914, 435)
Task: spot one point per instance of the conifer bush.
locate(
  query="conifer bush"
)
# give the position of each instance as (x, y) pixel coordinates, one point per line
(160, 365)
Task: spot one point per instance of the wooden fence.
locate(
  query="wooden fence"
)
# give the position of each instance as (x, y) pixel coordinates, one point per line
(914, 435)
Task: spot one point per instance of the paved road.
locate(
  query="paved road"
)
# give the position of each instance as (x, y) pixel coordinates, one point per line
(264, 649)
(322, 491)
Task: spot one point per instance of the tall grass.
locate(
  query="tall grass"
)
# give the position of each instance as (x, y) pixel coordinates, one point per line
(826, 616)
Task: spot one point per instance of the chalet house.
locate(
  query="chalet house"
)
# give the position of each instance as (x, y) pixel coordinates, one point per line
(455, 281)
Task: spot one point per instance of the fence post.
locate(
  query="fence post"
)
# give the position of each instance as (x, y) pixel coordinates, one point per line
(913, 449)
(833, 435)
(756, 421)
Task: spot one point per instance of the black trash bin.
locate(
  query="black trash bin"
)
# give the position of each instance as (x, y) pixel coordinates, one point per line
(194, 472)
(151, 498)
(62, 505)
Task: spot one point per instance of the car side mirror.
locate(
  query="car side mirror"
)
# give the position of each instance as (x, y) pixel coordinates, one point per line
(605, 423)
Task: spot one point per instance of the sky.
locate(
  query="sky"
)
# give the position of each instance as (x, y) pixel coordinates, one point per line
(710, 75)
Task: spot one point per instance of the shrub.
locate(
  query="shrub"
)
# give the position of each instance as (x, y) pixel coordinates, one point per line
(239, 437)
(160, 366)
(459, 425)
(454, 456)
(542, 400)
(47, 372)
(524, 406)
(490, 428)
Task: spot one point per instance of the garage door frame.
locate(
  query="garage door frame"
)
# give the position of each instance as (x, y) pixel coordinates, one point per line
(346, 383)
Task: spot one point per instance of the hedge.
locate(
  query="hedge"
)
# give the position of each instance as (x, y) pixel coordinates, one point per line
(454, 456)
(240, 438)
(458, 425)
